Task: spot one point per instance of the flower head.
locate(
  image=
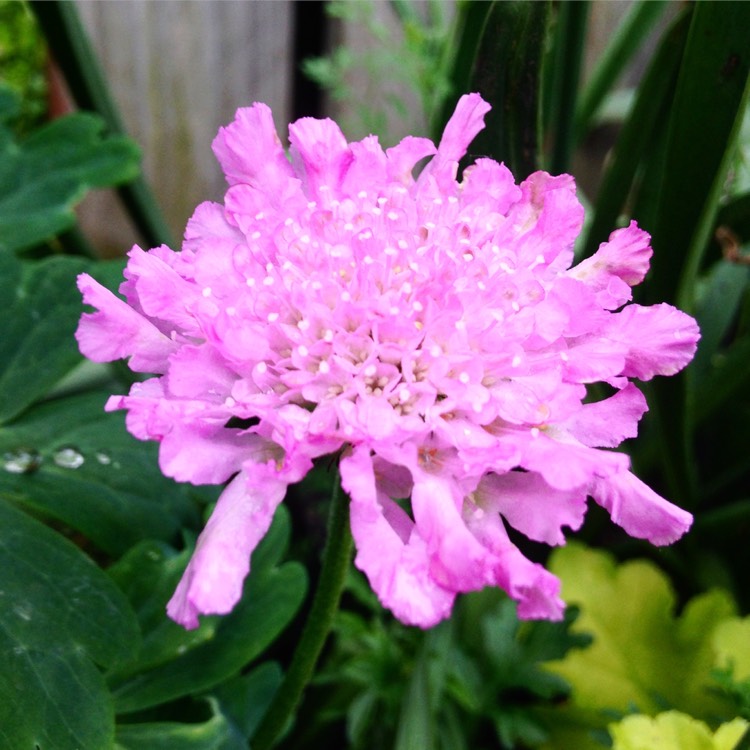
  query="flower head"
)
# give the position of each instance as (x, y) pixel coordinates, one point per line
(431, 330)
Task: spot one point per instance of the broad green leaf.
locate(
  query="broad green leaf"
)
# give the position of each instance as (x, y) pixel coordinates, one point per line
(246, 698)
(60, 615)
(41, 307)
(149, 573)
(217, 733)
(70, 460)
(222, 646)
(717, 306)
(642, 656)
(42, 178)
(728, 377)
(719, 371)
(675, 731)
(41, 310)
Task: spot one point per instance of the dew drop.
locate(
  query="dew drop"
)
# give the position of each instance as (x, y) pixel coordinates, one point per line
(68, 458)
(21, 461)
(103, 458)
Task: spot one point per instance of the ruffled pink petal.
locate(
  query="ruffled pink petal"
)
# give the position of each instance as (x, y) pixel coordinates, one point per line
(368, 165)
(605, 424)
(212, 583)
(639, 510)
(535, 589)
(145, 418)
(486, 180)
(200, 372)
(201, 453)
(618, 264)
(530, 505)
(162, 293)
(457, 560)
(660, 339)
(592, 359)
(465, 122)
(118, 331)
(249, 149)
(567, 464)
(403, 157)
(546, 220)
(390, 551)
(320, 154)
(208, 227)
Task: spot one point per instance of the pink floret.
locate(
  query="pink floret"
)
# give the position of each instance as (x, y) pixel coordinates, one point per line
(429, 331)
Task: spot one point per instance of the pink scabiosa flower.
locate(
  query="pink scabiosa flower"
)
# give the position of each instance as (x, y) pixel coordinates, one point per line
(431, 331)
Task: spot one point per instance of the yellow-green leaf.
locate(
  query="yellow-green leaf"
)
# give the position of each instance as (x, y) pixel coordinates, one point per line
(644, 657)
(674, 731)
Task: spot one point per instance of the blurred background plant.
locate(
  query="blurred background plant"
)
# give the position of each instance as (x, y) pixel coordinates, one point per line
(22, 64)
(654, 127)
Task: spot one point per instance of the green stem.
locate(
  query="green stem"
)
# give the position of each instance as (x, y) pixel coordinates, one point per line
(336, 558)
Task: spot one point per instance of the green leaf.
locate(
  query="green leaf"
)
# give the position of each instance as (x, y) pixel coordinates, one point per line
(675, 731)
(60, 614)
(148, 575)
(702, 127)
(731, 640)
(563, 68)
(468, 28)
(506, 72)
(42, 178)
(719, 371)
(625, 42)
(222, 646)
(415, 725)
(74, 449)
(642, 657)
(717, 306)
(41, 307)
(245, 699)
(217, 733)
(649, 110)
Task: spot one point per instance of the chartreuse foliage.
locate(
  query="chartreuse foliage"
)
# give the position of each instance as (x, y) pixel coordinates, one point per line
(675, 731)
(643, 657)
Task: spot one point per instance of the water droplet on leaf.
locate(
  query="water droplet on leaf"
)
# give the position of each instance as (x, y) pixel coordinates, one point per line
(68, 458)
(21, 461)
(103, 458)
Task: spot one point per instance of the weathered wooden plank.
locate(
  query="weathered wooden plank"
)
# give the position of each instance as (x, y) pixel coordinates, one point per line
(178, 70)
